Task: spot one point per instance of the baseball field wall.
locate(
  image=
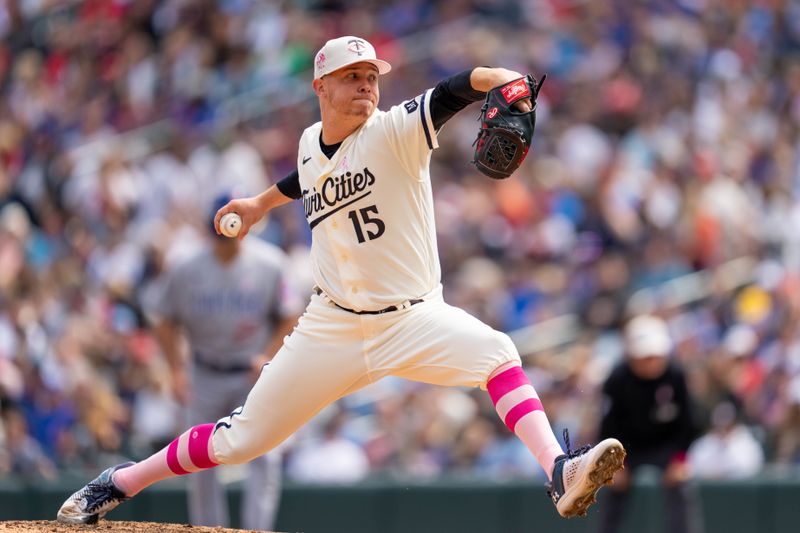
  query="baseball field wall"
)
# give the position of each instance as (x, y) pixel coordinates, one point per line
(763, 505)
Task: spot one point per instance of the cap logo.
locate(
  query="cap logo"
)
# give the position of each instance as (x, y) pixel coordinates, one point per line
(320, 61)
(356, 46)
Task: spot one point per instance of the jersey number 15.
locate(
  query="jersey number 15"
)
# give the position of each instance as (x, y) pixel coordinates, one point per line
(367, 222)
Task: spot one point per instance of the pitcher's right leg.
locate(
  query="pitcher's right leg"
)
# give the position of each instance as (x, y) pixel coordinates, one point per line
(321, 361)
(190, 452)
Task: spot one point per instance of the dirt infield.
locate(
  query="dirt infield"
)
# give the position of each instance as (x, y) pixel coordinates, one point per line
(110, 526)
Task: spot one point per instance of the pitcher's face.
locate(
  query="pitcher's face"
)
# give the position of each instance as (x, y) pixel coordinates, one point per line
(350, 91)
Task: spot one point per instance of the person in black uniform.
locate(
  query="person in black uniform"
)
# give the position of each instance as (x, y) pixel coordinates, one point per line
(646, 405)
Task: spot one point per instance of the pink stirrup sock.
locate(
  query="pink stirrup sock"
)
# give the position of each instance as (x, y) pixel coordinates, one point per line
(190, 452)
(519, 407)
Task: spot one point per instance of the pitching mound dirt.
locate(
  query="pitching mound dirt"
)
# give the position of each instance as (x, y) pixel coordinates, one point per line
(110, 526)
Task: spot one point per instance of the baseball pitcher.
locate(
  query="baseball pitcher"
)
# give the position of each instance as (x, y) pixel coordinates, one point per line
(377, 308)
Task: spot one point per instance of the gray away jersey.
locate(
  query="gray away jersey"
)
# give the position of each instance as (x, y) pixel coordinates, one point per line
(228, 311)
(370, 209)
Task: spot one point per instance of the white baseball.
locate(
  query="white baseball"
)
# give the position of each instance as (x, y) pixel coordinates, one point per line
(230, 224)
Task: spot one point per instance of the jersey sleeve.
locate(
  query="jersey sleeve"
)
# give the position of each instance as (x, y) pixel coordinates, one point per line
(410, 131)
(290, 186)
(451, 95)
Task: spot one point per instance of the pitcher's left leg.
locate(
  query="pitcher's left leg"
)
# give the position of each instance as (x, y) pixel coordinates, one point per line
(518, 405)
(437, 343)
(575, 476)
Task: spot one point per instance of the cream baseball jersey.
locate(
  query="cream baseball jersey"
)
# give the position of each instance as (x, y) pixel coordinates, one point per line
(370, 209)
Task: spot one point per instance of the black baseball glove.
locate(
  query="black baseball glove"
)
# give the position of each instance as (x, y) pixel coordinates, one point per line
(505, 135)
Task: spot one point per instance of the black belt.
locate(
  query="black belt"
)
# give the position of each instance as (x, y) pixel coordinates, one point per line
(389, 309)
(232, 369)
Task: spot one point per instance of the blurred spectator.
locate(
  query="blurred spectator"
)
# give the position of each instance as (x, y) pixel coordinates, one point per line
(647, 406)
(5, 456)
(666, 145)
(729, 451)
(22, 454)
(788, 444)
(333, 459)
(502, 456)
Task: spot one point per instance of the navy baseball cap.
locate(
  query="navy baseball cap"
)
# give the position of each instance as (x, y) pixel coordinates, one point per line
(219, 202)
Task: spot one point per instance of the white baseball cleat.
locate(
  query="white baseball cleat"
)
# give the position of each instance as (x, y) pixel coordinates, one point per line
(93, 501)
(579, 474)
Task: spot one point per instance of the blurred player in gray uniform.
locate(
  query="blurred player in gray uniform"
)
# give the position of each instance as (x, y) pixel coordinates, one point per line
(363, 175)
(231, 302)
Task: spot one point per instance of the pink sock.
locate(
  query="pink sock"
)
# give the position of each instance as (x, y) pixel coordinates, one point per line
(191, 452)
(519, 407)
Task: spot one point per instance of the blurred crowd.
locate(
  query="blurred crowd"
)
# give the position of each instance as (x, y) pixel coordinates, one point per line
(667, 144)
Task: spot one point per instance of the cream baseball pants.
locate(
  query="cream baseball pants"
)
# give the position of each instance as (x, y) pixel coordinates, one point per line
(332, 353)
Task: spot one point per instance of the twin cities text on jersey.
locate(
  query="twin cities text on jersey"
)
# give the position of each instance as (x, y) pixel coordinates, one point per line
(336, 189)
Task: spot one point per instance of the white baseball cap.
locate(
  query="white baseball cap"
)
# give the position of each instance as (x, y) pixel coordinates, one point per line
(338, 53)
(740, 340)
(647, 336)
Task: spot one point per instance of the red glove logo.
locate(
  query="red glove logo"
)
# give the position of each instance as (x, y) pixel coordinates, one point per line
(514, 91)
